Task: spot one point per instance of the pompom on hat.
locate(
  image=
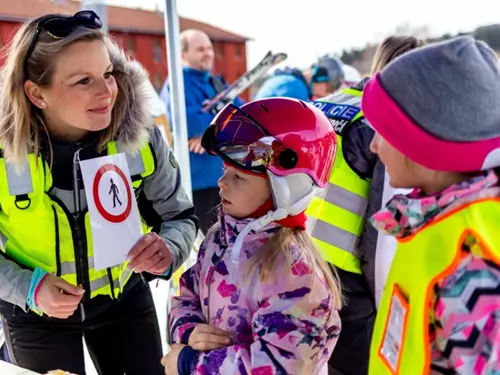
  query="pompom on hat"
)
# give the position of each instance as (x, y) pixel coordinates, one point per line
(440, 105)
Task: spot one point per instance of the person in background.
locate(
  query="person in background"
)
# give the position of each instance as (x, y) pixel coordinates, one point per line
(321, 79)
(337, 218)
(200, 85)
(351, 76)
(440, 310)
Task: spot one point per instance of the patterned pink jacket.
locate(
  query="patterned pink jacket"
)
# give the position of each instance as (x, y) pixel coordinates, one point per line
(289, 326)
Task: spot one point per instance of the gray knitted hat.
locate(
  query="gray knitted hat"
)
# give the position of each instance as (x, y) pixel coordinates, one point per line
(441, 104)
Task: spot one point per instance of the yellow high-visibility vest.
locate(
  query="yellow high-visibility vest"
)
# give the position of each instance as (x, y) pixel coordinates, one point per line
(37, 230)
(336, 217)
(400, 342)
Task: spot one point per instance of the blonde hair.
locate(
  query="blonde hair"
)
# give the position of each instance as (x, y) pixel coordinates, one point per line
(279, 246)
(393, 47)
(21, 122)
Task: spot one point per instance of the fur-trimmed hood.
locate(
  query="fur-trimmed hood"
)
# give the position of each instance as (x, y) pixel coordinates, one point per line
(134, 118)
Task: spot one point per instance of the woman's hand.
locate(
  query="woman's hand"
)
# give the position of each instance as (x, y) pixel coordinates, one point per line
(150, 254)
(58, 298)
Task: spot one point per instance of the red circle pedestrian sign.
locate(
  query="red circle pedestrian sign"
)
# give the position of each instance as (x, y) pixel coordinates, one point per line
(112, 193)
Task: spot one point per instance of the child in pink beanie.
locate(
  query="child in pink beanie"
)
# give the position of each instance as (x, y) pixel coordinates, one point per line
(436, 113)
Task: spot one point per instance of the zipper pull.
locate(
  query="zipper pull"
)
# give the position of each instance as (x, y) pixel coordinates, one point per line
(76, 156)
(82, 313)
(76, 185)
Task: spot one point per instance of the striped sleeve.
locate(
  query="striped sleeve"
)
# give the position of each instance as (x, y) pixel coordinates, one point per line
(467, 319)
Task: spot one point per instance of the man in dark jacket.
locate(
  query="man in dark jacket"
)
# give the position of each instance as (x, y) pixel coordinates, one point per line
(200, 86)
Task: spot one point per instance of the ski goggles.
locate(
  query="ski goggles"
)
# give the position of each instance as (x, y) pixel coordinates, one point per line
(58, 26)
(239, 140)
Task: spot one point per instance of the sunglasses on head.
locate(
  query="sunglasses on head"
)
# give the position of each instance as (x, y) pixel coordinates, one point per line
(61, 26)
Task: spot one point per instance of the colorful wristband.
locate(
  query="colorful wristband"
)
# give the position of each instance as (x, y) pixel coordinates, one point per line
(38, 277)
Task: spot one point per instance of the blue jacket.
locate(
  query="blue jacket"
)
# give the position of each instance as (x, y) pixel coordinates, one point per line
(289, 83)
(205, 169)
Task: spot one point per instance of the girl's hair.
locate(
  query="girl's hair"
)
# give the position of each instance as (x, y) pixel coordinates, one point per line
(21, 123)
(279, 247)
(393, 47)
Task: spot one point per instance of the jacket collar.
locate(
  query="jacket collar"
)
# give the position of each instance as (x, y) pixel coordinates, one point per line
(231, 227)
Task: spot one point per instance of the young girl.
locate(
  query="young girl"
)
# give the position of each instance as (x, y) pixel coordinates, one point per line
(260, 299)
(439, 132)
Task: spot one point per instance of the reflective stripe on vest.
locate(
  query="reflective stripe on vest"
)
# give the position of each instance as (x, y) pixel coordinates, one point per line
(19, 182)
(336, 214)
(134, 161)
(401, 337)
(49, 243)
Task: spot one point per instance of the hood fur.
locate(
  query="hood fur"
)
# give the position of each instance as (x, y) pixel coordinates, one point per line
(131, 110)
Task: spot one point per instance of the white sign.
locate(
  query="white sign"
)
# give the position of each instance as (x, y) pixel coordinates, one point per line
(114, 216)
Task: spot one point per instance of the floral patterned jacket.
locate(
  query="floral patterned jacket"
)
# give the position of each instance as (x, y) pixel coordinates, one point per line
(289, 326)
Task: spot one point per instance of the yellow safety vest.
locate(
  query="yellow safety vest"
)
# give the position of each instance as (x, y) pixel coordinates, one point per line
(400, 343)
(336, 217)
(36, 227)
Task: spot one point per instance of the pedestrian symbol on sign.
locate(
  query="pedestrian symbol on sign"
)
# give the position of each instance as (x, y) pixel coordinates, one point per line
(118, 182)
(114, 190)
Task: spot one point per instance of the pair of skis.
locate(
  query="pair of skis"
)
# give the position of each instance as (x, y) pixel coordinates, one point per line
(244, 82)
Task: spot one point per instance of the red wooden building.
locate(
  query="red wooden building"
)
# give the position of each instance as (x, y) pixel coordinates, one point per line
(140, 32)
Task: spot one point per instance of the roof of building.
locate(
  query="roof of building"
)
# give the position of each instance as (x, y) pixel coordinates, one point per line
(119, 18)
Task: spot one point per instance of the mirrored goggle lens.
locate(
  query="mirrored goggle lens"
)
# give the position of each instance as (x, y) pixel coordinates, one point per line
(257, 156)
(234, 127)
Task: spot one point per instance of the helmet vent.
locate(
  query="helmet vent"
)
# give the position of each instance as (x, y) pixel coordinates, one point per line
(288, 159)
(264, 107)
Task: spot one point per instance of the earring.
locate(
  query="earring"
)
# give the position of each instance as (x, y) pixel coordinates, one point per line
(42, 104)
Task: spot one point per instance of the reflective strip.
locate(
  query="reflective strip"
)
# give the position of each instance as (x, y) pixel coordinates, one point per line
(345, 199)
(344, 177)
(124, 276)
(70, 267)
(135, 163)
(333, 235)
(353, 92)
(101, 283)
(19, 183)
(345, 98)
(3, 241)
(338, 257)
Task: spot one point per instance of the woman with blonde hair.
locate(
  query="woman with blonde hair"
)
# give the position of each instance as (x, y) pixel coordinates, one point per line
(393, 47)
(338, 225)
(69, 94)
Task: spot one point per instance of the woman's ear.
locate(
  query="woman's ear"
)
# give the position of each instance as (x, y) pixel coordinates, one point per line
(34, 94)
